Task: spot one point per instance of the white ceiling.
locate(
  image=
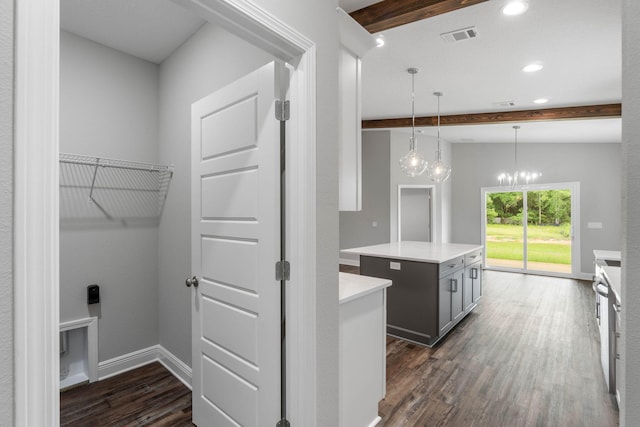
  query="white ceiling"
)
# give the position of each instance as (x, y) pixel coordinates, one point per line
(578, 41)
(148, 29)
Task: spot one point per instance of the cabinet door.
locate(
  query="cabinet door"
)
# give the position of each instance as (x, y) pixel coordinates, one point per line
(444, 303)
(457, 291)
(476, 273)
(467, 287)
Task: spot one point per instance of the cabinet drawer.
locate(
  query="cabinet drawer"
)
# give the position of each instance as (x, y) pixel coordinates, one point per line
(472, 257)
(450, 266)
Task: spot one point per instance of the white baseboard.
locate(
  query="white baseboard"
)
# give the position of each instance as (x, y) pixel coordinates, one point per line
(139, 358)
(177, 367)
(127, 362)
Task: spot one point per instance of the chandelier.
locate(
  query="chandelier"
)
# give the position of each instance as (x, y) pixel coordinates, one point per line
(518, 177)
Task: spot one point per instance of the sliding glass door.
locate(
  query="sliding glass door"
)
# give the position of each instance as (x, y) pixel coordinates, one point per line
(531, 229)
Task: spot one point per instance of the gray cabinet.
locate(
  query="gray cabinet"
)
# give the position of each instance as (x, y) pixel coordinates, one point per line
(427, 299)
(451, 297)
(472, 280)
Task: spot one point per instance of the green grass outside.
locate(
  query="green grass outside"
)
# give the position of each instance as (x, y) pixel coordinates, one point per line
(548, 244)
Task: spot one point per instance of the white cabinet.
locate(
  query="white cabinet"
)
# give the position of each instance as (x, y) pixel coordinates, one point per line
(350, 167)
(355, 42)
(362, 348)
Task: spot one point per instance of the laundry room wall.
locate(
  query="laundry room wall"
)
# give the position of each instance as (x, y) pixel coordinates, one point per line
(109, 108)
(209, 60)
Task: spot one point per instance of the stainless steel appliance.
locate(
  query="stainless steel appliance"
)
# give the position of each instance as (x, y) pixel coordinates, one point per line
(607, 309)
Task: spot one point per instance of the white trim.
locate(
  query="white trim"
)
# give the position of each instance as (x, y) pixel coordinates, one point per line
(36, 225)
(301, 243)
(127, 362)
(136, 359)
(177, 367)
(432, 207)
(36, 264)
(576, 249)
(375, 422)
(91, 323)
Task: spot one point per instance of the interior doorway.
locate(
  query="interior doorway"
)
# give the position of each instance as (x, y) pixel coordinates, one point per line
(532, 229)
(415, 210)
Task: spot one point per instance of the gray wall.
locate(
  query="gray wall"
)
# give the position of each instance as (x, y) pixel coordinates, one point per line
(356, 228)
(630, 387)
(595, 166)
(6, 212)
(442, 192)
(209, 60)
(108, 107)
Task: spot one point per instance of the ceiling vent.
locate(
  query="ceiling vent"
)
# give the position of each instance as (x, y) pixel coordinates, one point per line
(459, 35)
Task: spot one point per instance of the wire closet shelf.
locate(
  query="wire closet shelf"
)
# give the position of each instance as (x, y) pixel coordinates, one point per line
(98, 188)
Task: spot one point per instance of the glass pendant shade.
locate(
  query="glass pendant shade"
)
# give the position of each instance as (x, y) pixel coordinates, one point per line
(438, 171)
(412, 163)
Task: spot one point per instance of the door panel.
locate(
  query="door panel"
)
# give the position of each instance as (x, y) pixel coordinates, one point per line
(236, 189)
(235, 245)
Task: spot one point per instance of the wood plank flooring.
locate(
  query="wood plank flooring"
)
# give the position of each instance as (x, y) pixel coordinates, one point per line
(147, 396)
(527, 356)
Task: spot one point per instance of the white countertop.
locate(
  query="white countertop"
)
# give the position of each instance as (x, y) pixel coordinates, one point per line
(353, 286)
(415, 251)
(610, 255)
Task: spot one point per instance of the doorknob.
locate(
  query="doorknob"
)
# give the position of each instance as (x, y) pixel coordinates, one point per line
(192, 281)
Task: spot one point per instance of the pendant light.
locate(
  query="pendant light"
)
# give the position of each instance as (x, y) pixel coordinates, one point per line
(438, 171)
(518, 177)
(413, 164)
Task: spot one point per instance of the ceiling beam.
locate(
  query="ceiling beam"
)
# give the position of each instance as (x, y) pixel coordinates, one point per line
(393, 13)
(548, 114)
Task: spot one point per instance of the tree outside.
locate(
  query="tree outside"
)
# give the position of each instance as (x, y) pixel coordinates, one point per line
(548, 229)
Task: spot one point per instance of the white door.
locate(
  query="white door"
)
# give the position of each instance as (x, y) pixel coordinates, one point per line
(235, 243)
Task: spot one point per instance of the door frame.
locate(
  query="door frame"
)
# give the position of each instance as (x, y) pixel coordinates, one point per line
(432, 207)
(36, 201)
(575, 224)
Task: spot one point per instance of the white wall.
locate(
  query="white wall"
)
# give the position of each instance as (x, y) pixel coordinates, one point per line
(356, 228)
(427, 147)
(595, 166)
(630, 411)
(108, 107)
(209, 60)
(6, 212)
(316, 19)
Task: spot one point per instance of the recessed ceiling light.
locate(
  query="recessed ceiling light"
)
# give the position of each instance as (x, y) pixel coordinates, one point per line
(540, 101)
(380, 40)
(532, 67)
(515, 7)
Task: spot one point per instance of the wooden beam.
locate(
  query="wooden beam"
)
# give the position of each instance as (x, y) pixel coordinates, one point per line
(548, 114)
(393, 13)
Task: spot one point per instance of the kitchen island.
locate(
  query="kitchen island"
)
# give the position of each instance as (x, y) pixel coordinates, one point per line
(435, 285)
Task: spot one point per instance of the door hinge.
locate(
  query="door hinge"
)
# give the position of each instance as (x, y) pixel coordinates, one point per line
(283, 270)
(283, 423)
(282, 111)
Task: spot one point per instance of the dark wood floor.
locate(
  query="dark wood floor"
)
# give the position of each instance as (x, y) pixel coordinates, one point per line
(527, 356)
(147, 396)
